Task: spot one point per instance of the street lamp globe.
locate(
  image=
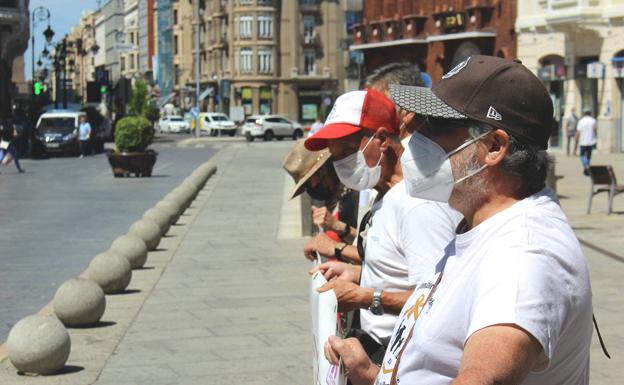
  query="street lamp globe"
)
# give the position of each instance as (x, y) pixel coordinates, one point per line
(48, 34)
(45, 52)
(95, 48)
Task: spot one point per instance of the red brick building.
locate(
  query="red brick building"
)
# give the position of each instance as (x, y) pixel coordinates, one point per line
(435, 34)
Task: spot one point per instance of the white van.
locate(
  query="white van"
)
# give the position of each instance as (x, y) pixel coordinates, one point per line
(58, 130)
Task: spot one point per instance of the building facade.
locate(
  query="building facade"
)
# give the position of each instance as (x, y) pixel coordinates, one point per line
(436, 35)
(14, 34)
(129, 50)
(576, 48)
(271, 56)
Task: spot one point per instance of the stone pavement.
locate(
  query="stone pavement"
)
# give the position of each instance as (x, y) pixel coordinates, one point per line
(226, 300)
(599, 231)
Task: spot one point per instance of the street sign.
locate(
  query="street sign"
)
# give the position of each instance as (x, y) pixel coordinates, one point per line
(123, 48)
(195, 112)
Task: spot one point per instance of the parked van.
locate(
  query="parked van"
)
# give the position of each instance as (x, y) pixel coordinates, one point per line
(58, 130)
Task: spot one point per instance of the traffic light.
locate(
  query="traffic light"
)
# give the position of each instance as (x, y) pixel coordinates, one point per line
(104, 89)
(37, 88)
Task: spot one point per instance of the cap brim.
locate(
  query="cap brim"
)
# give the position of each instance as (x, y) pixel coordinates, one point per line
(299, 187)
(422, 101)
(318, 141)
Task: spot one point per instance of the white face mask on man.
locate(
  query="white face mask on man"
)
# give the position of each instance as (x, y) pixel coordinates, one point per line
(427, 168)
(354, 172)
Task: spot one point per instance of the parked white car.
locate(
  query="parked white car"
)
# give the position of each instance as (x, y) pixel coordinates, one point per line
(173, 123)
(216, 123)
(271, 126)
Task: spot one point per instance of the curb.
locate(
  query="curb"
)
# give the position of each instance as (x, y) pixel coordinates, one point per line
(210, 168)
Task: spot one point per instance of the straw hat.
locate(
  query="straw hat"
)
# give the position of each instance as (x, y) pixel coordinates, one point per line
(301, 164)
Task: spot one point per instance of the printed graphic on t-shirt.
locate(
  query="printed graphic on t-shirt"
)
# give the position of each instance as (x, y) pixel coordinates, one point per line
(419, 302)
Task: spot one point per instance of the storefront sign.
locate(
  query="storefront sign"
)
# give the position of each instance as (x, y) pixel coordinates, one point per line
(595, 70)
(551, 72)
(309, 111)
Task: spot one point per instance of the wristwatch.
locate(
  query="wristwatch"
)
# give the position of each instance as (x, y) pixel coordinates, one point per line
(338, 250)
(376, 307)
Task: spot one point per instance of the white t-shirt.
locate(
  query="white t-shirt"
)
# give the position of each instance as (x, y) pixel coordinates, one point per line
(522, 266)
(406, 239)
(587, 133)
(315, 127)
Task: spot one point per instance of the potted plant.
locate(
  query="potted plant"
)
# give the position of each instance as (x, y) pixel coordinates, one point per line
(132, 136)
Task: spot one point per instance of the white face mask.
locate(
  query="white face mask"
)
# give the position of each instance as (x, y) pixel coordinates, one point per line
(355, 174)
(427, 168)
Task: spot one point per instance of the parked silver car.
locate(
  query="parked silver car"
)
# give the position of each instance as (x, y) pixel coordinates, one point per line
(269, 127)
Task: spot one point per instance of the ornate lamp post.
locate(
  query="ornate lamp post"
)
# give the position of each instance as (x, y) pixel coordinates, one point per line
(39, 14)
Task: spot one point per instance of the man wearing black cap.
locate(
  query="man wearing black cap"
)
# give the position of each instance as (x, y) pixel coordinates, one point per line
(510, 301)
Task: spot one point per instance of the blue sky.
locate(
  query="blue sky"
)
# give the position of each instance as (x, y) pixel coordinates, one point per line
(64, 15)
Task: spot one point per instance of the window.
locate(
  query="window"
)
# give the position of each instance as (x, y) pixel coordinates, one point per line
(122, 64)
(245, 26)
(245, 2)
(265, 61)
(175, 45)
(309, 26)
(175, 17)
(309, 58)
(245, 60)
(307, 2)
(265, 27)
(265, 2)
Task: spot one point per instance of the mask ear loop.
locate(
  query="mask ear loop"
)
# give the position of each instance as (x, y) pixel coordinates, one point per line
(364, 149)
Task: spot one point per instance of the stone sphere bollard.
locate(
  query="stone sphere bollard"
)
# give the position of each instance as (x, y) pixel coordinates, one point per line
(131, 247)
(174, 208)
(191, 187)
(79, 302)
(38, 344)
(111, 271)
(148, 231)
(161, 217)
(179, 197)
(194, 182)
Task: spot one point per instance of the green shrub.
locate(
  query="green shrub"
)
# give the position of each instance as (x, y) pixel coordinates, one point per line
(133, 133)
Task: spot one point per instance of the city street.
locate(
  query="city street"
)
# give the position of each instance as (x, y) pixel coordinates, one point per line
(64, 210)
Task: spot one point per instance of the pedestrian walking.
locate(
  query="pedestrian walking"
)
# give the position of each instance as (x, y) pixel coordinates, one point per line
(569, 127)
(8, 147)
(84, 134)
(586, 136)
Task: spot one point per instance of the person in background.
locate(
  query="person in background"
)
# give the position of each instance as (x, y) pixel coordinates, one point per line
(9, 137)
(84, 135)
(316, 126)
(586, 137)
(569, 127)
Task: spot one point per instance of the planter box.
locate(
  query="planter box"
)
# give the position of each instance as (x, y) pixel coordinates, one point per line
(129, 163)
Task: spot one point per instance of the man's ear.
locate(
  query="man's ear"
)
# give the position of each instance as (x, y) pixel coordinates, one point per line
(383, 134)
(498, 146)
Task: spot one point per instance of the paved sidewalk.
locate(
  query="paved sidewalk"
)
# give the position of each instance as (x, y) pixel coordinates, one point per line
(231, 307)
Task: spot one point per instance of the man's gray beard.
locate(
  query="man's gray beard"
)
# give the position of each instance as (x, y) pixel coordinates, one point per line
(471, 192)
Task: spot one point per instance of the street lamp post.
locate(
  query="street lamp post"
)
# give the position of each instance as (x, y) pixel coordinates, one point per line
(197, 64)
(39, 14)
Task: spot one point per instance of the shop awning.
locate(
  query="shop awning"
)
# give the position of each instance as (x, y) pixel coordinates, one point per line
(389, 43)
(460, 35)
(617, 59)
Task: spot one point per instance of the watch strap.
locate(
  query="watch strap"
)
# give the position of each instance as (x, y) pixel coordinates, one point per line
(338, 251)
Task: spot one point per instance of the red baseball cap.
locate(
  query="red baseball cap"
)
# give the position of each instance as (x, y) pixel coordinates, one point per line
(355, 111)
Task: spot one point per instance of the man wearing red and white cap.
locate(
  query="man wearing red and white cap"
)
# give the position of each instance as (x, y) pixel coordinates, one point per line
(406, 237)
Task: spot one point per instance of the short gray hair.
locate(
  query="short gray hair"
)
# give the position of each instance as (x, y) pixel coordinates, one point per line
(406, 74)
(524, 161)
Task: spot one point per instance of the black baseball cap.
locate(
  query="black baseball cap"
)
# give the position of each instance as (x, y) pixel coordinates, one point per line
(500, 92)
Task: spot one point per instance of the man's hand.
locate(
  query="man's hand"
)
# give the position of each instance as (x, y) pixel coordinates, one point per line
(350, 296)
(321, 243)
(338, 270)
(322, 217)
(358, 367)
